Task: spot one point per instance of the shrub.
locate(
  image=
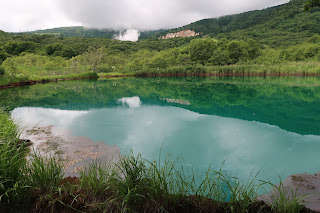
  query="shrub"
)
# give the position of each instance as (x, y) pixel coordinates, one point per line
(2, 71)
(104, 68)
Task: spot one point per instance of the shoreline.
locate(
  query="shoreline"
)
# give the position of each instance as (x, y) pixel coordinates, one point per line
(75, 152)
(213, 74)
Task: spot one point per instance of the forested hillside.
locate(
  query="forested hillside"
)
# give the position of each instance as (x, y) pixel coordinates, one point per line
(275, 26)
(76, 31)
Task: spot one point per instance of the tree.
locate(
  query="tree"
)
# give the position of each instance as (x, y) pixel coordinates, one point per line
(238, 50)
(311, 3)
(314, 39)
(58, 49)
(3, 54)
(54, 49)
(220, 57)
(201, 50)
(2, 71)
(95, 56)
(253, 49)
(17, 47)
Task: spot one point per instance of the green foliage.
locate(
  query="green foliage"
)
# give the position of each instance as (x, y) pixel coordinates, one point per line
(61, 50)
(137, 185)
(3, 54)
(53, 48)
(314, 39)
(202, 49)
(238, 50)
(11, 161)
(90, 59)
(281, 25)
(310, 4)
(2, 70)
(17, 47)
(76, 32)
(285, 199)
(42, 172)
(104, 69)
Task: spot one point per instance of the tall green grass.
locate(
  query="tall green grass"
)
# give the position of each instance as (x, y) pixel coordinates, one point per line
(308, 68)
(280, 69)
(285, 199)
(12, 160)
(42, 172)
(47, 76)
(138, 185)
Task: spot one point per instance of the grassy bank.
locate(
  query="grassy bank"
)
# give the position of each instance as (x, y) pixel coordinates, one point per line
(7, 81)
(279, 69)
(37, 184)
(38, 75)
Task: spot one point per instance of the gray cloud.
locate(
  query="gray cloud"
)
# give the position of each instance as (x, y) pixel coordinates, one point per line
(16, 15)
(21, 15)
(154, 14)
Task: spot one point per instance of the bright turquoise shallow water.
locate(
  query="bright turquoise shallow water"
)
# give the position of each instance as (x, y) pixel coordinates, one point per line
(267, 124)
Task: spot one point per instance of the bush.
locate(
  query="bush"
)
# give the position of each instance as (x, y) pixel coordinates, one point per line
(2, 71)
(104, 68)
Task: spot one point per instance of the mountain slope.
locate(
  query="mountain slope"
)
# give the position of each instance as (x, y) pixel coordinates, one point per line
(77, 31)
(281, 25)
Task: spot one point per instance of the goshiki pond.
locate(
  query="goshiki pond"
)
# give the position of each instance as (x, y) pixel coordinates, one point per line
(271, 125)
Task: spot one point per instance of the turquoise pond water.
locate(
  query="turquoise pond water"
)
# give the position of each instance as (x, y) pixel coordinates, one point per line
(271, 125)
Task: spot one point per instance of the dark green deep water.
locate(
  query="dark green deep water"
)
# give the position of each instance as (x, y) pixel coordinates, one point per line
(267, 124)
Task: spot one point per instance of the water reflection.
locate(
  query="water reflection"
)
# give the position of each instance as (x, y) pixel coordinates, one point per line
(199, 139)
(289, 103)
(133, 102)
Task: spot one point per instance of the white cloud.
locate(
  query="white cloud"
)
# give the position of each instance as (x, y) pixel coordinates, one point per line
(132, 102)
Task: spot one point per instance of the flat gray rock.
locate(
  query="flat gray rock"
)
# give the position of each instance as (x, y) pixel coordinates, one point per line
(74, 152)
(305, 185)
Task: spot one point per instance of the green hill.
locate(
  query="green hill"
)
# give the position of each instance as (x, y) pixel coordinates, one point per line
(277, 26)
(77, 31)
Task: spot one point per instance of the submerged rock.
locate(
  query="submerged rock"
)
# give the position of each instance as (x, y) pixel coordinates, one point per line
(74, 152)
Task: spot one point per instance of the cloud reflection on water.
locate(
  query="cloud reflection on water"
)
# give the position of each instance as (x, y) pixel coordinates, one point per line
(43, 116)
(199, 139)
(133, 102)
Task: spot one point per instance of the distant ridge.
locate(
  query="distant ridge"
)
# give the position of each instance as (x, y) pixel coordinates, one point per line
(76, 31)
(79, 31)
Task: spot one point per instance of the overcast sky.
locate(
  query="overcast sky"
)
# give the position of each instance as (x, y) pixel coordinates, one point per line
(23, 15)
